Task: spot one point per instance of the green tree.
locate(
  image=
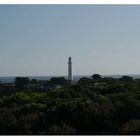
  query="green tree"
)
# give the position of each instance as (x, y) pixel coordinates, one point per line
(131, 128)
(34, 81)
(96, 77)
(126, 78)
(63, 129)
(84, 81)
(21, 83)
(58, 81)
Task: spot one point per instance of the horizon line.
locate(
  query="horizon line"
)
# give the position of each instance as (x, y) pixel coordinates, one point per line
(65, 75)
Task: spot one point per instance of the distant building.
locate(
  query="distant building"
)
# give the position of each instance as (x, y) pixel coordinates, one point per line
(69, 69)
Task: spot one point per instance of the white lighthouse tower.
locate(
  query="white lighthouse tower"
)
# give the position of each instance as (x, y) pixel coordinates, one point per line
(69, 69)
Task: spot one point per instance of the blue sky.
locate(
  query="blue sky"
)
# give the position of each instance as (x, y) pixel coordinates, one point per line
(38, 39)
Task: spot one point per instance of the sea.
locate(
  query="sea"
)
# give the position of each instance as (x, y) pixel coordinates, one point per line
(10, 79)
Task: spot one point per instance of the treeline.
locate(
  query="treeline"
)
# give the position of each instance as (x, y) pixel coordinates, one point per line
(32, 85)
(90, 106)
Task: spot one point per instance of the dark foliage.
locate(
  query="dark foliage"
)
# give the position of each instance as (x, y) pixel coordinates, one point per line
(97, 106)
(21, 83)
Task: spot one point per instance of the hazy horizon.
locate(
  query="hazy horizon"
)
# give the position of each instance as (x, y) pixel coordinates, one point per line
(38, 39)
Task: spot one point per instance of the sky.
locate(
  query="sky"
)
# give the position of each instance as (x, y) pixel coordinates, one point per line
(36, 40)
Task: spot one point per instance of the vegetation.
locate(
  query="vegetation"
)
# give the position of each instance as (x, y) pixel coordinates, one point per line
(90, 106)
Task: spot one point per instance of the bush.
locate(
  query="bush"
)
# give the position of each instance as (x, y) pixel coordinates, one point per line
(131, 128)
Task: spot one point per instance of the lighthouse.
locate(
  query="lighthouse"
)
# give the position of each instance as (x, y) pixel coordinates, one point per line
(69, 69)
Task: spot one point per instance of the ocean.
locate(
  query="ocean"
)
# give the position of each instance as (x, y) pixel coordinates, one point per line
(10, 79)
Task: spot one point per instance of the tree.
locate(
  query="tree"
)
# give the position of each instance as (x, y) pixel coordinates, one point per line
(64, 129)
(131, 128)
(84, 81)
(21, 83)
(57, 81)
(96, 76)
(33, 81)
(126, 78)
